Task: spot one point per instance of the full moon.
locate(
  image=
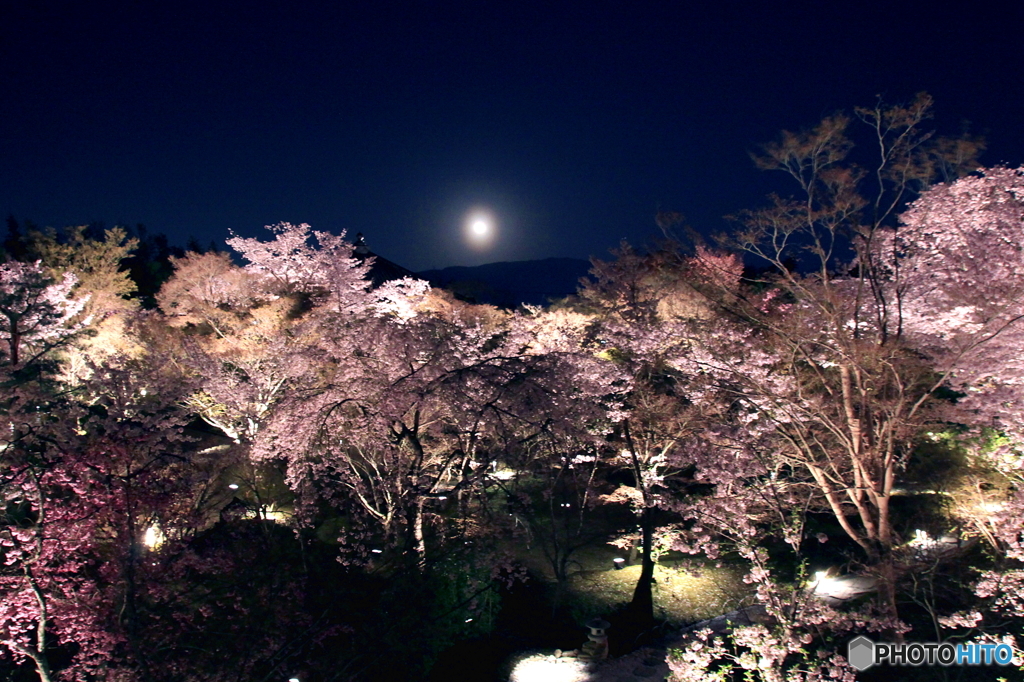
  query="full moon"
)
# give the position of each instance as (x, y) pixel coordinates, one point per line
(480, 228)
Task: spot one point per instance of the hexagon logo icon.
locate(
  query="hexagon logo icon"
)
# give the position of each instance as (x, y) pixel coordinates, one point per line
(861, 653)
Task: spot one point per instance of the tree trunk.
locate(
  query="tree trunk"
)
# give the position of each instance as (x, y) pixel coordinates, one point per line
(131, 613)
(887, 575)
(419, 545)
(14, 343)
(643, 598)
(642, 605)
(42, 667)
(38, 656)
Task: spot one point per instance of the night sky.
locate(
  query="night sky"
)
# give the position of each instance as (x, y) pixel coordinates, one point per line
(573, 124)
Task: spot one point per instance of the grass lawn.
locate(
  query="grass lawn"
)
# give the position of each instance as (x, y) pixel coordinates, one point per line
(684, 591)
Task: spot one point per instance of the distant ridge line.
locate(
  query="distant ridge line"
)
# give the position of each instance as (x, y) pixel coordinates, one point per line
(512, 283)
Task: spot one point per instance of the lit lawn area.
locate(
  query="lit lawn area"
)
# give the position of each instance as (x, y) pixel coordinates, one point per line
(685, 590)
(681, 595)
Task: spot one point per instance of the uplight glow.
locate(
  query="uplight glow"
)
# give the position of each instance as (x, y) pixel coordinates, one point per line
(153, 537)
(541, 668)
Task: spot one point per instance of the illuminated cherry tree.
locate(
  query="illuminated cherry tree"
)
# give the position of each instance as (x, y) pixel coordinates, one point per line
(960, 260)
(646, 313)
(824, 359)
(80, 483)
(34, 311)
(959, 247)
(292, 264)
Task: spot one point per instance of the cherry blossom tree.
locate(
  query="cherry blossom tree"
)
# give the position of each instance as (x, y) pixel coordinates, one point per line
(49, 549)
(410, 410)
(293, 265)
(958, 282)
(40, 538)
(646, 314)
(960, 261)
(556, 453)
(702, 437)
(388, 424)
(34, 311)
(96, 263)
(299, 316)
(244, 341)
(208, 290)
(262, 315)
(826, 359)
(88, 476)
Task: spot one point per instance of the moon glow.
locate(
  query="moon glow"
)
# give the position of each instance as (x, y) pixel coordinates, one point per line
(480, 229)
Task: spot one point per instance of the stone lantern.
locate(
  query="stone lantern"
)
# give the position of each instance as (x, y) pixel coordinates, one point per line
(597, 648)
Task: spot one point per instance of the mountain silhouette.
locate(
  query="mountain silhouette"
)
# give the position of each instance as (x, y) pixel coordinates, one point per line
(510, 284)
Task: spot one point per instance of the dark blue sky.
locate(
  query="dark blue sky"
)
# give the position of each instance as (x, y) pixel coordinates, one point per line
(574, 123)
